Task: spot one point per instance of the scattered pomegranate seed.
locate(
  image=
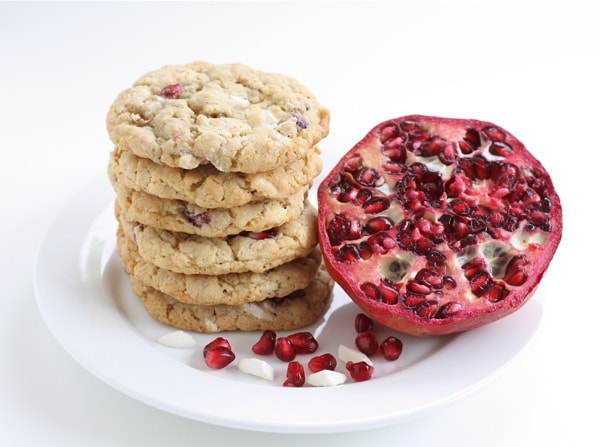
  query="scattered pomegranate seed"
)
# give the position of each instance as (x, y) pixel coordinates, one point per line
(321, 362)
(363, 323)
(367, 343)
(303, 342)
(219, 357)
(216, 343)
(265, 344)
(391, 348)
(284, 349)
(360, 371)
(294, 375)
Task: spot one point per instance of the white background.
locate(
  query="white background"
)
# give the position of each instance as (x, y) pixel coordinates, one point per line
(531, 67)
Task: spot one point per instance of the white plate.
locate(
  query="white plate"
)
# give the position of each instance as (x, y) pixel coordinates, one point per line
(84, 297)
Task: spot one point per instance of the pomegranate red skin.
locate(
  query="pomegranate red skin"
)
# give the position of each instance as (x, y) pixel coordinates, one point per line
(399, 317)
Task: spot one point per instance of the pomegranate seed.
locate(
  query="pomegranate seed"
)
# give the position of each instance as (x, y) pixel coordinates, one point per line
(363, 323)
(493, 133)
(388, 132)
(172, 91)
(265, 344)
(360, 371)
(321, 362)
(418, 289)
(500, 148)
(219, 357)
(303, 342)
(391, 348)
(198, 219)
(376, 205)
(377, 224)
(367, 343)
(284, 349)
(261, 235)
(516, 277)
(471, 141)
(294, 375)
(218, 342)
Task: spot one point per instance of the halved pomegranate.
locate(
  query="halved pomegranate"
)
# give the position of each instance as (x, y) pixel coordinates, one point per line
(435, 225)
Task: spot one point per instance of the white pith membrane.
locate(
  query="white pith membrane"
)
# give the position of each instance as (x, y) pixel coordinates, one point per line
(400, 267)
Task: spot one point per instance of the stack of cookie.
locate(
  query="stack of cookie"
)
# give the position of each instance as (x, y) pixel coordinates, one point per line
(211, 169)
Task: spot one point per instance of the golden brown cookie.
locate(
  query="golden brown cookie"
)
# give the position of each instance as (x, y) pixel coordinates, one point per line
(232, 288)
(184, 217)
(192, 254)
(207, 187)
(232, 116)
(298, 309)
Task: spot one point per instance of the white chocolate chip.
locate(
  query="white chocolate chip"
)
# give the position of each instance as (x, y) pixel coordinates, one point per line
(257, 367)
(240, 100)
(326, 377)
(177, 339)
(346, 354)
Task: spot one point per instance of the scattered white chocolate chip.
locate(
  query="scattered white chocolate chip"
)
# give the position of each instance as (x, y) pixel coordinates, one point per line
(257, 367)
(326, 377)
(346, 354)
(177, 339)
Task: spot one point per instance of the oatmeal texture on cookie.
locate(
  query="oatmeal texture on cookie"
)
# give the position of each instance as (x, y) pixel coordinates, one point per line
(231, 116)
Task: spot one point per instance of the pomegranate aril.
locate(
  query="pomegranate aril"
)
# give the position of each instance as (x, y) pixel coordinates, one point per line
(303, 342)
(360, 371)
(377, 224)
(395, 150)
(391, 348)
(376, 205)
(495, 293)
(171, 91)
(470, 142)
(197, 219)
(284, 350)
(480, 283)
(323, 361)
(367, 343)
(448, 155)
(295, 376)
(380, 243)
(417, 288)
(516, 277)
(388, 293)
(500, 149)
(427, 310)
(366, 177)
(493, 133)
(388, 133)
(219, 342)
(261, 235)
(348, 253)
(363, 323)
(515, 273)
(265, 344)
(218, 357)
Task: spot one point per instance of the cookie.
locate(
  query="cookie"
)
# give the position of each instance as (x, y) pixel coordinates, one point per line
(192, 254)
(181, 216)
(229, 115)
(207, 187)
(297, 310)
(232, 289)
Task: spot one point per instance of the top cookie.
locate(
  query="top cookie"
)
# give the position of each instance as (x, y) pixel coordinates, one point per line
(231, 116)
